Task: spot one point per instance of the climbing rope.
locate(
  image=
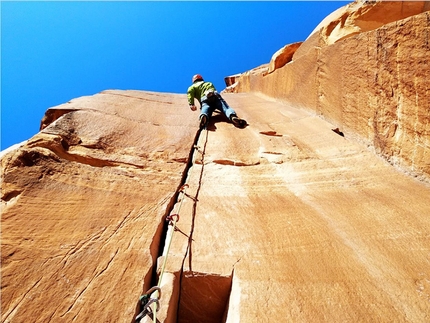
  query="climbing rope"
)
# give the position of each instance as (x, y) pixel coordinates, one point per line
(148, 299)
(173, 219)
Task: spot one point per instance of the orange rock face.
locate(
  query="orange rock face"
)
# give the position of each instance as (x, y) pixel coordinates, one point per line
(283, 220)
(306, 226)
(292, 219)
(282, 56)
(83, 204)
(371, 82)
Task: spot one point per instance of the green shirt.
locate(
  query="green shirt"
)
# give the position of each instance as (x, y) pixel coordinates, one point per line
(197, 90)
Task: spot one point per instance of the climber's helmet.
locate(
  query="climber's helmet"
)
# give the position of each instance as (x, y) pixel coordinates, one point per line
(197, 77)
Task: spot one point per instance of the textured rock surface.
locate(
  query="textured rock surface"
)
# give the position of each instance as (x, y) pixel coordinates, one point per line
(372, 85)
(362, 16)
(283, 221)
(82, 206)
(305, 224)
(282, 56)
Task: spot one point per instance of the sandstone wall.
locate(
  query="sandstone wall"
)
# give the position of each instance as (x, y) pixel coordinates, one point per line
(83, 205)
(283, 221)
(372, 85)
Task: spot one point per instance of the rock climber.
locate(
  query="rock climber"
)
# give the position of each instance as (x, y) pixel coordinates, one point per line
(210, 100)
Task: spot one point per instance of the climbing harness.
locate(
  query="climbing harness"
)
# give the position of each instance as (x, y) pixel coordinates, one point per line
(147, 299)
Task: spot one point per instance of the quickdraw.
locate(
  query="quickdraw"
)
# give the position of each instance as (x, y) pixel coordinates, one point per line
(198, 149)
(183, 187)
(146, 301)
(170, 218)
(183, 191)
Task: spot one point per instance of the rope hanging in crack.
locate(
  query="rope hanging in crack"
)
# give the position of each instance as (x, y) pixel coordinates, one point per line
(147, 299)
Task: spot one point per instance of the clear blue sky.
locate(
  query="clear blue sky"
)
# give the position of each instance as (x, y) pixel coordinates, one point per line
(52, 52)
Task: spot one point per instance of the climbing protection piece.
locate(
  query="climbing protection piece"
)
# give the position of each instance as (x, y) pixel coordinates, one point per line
(171, 218)
(145, 302)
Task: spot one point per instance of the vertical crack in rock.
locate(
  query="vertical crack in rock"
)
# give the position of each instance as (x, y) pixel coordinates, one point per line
(202, 297)
(164, 226)
(189, 251)
(174, 198)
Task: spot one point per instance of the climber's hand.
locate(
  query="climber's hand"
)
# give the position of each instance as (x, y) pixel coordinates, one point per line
(193, 107)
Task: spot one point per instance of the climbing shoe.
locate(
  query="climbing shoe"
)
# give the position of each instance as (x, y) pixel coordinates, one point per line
(240, 123)
(203, 121)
